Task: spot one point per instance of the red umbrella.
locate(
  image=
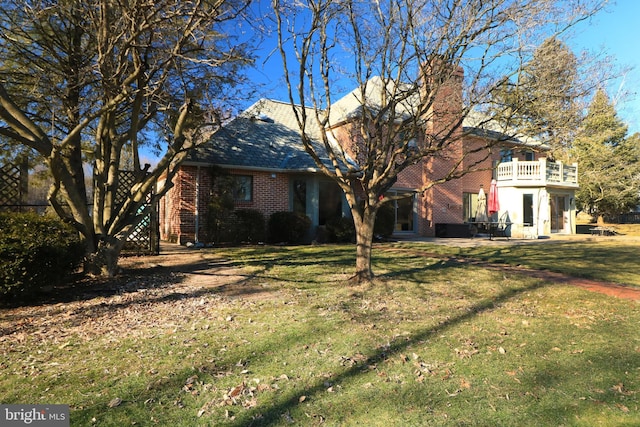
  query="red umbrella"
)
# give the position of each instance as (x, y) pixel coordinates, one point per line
(492, 203)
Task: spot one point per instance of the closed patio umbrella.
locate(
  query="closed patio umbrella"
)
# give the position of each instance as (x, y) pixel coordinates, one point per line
(493, 204)
(481, 212)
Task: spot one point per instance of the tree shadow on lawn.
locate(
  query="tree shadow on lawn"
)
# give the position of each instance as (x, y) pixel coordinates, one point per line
(285, 403)
(93, 298)
(141, 284)
(579, 259)
(273, 415)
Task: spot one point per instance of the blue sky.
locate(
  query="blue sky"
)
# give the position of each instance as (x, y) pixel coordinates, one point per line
(615, 31)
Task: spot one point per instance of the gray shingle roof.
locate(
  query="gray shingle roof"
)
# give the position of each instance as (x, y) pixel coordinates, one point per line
(265, 136)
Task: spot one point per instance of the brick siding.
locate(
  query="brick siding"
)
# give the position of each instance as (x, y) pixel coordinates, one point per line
(270, 193)
(441, 203)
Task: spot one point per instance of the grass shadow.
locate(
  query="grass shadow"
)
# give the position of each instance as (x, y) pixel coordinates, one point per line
(273, 415)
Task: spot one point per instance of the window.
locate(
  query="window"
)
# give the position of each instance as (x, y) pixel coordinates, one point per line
(527, 208)
(242, 188)
(330, 201)
(299, 196)
(506, 155)
(404, 210)
(404, 214)
(469, 206)
(529, 156)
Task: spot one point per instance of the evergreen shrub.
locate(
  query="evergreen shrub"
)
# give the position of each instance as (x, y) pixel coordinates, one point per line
(288, 227)
(36, 252)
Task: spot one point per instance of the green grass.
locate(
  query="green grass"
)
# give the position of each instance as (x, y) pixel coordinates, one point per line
(432, 343)
(609, 259)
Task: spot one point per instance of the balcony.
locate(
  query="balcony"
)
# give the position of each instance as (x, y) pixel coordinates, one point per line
(539, 173)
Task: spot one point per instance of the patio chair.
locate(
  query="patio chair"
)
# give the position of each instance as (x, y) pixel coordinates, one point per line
(503, 228)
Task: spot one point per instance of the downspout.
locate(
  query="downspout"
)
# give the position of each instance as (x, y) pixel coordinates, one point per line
(197, 203)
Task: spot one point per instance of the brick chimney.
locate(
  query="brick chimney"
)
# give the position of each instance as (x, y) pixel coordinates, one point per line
(442, 84)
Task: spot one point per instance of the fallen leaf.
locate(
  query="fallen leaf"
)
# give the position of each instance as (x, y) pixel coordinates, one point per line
(236, 390)
(302, 399)
(116, 401)
(502, 350)
(619, 388)
(253, 402)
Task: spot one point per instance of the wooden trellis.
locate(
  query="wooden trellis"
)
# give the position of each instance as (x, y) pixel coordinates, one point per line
(13, 186)
(145, 238)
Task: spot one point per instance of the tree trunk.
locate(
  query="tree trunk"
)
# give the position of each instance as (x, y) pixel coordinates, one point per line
(364, 242)
(103, 261)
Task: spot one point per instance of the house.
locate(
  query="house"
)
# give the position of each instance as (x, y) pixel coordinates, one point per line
(262, 152)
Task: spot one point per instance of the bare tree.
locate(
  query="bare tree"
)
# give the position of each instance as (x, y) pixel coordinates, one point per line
(96, 81)
(405, 57)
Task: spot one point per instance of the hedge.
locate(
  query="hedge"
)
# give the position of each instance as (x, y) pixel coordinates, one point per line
(288, 227)
(36, 252)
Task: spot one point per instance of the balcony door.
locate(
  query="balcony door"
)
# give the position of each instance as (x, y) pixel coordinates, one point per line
(559, 213)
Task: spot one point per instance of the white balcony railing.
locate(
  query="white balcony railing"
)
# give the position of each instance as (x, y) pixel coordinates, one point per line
(540, 172)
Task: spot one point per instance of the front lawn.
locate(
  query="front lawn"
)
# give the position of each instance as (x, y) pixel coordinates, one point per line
(274, 336)
(609, 259)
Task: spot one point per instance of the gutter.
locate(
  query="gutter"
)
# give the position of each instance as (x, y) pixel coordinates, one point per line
(249, 168)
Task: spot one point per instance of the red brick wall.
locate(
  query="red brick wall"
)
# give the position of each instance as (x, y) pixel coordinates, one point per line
(443, 202)
(270, 193)
(410, 178)
(177, 223)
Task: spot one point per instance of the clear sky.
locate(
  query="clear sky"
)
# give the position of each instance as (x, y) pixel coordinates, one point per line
(615, 31)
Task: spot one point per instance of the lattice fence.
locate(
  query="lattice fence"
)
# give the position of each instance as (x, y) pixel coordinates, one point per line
(145, 238)
(13, 186)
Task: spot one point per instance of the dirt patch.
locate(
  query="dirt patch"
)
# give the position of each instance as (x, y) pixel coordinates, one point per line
(152, 294)
(607, 288)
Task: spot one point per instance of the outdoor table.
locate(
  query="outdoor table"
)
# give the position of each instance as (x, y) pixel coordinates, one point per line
(602, 231)
(492, 227)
